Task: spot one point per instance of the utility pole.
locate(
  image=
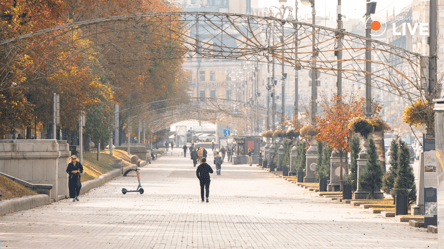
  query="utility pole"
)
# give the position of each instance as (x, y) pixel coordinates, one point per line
(273, 96)
(339, 52)
(55, 114)
(82, 122)
(314, 83)
(283, 75)
(433, 46)
(296, 73)
(116, 125)
(368, 64)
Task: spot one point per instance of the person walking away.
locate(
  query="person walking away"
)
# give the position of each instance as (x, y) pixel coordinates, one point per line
(218, 163)
(166, 146)
(229, 154)
(74, 170)
(204, 153)
(223, 153)
(172, 145)
(194, 157)
(185, 150)
(203, 174)
(250, 156)
(212, 145)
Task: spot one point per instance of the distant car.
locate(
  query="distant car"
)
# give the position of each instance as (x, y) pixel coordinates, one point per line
(210, 138)
(107, 147)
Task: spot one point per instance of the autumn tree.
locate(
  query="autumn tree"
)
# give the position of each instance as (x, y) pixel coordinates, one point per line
(333, 126)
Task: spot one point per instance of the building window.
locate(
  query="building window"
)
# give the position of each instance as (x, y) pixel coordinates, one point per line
(212, 76)
(202, 95)
(213, 94)
(202, 75)
(229, 94)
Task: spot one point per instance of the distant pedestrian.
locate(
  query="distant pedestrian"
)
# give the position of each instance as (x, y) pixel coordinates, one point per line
(204, 153)
(250, 156)
(200, 154)
(218, 163)
(185, 150)
(212, 145)
(172, 145)
(229, 154)
(75, 169)
(223, 151)
(194, 157)
(203, 174)
(166, 146)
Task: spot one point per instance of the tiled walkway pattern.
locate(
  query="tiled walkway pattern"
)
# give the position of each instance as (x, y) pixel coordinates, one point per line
(248, 208)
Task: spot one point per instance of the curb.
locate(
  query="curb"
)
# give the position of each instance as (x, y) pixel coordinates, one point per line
(101, 180)
(23, 203)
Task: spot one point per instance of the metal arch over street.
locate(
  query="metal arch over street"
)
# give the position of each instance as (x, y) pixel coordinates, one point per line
(159, 115)
(229, 36)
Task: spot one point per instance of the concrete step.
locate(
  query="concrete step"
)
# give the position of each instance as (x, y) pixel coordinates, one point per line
(358, 203)
(329, 193)
(388, 214)
(432, 229)
(367, 206)
(415, 223)
(400, 218)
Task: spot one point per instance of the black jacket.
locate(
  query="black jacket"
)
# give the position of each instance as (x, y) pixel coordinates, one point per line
(185, 148)
(72, 167)
(194, 155)
(203, 172)
(204, 153)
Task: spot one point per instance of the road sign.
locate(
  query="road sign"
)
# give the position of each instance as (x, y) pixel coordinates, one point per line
(311, 74)
(227, 133)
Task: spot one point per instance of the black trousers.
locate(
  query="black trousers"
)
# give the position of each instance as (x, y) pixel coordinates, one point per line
(194, 162)
(184, 153)
(74, 185)
(205, 184)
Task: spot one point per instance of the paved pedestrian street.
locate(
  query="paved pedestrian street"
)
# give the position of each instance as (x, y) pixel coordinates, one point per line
(248, 208)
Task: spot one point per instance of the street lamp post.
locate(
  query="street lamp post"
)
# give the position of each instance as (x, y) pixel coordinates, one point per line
(281, 11)
(314, 83)
(371, 8)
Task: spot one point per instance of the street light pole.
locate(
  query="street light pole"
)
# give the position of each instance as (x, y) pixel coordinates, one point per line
(339, 53)
(314, 90)
(296, 73)
(368, 64)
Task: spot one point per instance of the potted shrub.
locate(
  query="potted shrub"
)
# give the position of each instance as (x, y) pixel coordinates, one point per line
(361, 126)
(308, 131)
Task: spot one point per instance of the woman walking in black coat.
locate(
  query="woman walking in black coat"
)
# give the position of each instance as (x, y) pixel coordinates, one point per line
(74, 170)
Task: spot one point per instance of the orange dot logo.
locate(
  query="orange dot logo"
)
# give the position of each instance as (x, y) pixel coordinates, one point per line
(376, 25)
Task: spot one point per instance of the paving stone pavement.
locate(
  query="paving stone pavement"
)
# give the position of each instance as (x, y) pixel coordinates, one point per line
(248, 208)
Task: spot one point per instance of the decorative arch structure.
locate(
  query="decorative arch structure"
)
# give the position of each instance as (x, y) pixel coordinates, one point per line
(226, 36)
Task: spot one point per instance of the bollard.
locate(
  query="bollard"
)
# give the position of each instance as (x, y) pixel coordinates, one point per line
(347, 192)
(402, 202)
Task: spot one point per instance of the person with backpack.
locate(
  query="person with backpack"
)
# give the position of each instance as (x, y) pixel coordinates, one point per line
(203, 174)
(218, 163)
(194, 157)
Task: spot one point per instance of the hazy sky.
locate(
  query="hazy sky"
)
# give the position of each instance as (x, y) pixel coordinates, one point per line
(350, 8)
